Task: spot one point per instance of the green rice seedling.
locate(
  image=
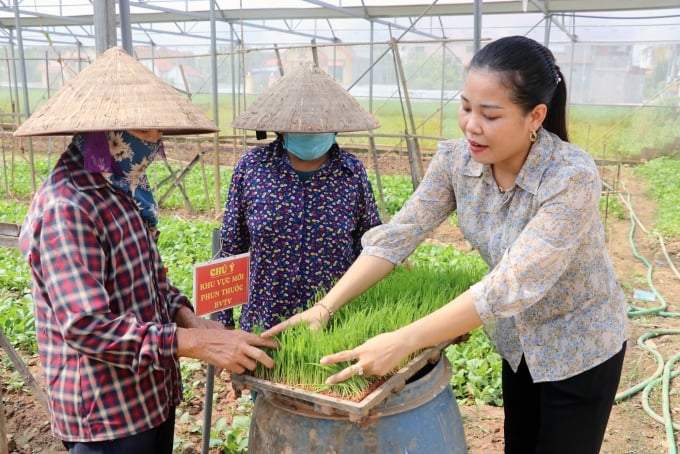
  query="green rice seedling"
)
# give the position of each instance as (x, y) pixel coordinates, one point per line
(401, 298)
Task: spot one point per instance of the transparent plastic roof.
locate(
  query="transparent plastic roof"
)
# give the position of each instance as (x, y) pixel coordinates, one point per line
(252, 22)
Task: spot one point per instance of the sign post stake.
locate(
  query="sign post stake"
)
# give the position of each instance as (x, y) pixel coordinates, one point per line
(210, 373)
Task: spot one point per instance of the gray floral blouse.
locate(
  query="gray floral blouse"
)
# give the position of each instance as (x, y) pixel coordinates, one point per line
(551, 293)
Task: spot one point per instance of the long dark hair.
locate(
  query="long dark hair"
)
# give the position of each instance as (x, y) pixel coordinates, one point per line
(529, 70)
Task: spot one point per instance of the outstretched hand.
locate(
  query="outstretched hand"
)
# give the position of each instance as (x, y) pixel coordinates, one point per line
(233, 350)
(229, 359)
(316, 317)
(377, 356)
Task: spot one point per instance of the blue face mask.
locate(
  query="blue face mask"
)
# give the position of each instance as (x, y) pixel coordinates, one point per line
(308, 146)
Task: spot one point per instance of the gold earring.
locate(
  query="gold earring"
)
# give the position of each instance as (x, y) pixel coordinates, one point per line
(533, 136)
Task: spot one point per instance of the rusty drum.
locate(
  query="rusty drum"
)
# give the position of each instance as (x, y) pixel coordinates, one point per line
(422, 418)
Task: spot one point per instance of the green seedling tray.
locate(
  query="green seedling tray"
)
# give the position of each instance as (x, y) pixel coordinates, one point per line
(323, 404)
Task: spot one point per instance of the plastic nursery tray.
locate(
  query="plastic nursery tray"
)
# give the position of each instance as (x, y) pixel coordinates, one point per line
(333, 406)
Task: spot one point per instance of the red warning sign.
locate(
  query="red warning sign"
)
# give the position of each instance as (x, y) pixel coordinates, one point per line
(221, 283)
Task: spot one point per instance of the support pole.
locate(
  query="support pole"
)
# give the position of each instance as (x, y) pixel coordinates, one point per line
(210, 372)
(9, 236)
(441, 91)
(315, 53)
(125, 25)
(278, 59)
(179, 181)
(19, 365)
(378, 178)
(4, 449)
(24, 82)
(415, 158)
(215, 103)
(104, 25)
(477, 24)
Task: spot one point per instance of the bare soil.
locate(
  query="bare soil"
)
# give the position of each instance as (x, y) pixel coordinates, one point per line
(631, 429)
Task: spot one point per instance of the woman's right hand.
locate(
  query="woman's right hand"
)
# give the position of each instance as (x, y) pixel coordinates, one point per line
(362, 275)
(377, 356)
(316, 317)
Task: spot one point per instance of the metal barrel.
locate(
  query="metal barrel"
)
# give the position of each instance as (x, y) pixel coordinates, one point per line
(422, 418)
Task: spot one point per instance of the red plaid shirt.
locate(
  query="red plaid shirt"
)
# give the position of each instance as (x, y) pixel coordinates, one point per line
(103, 307)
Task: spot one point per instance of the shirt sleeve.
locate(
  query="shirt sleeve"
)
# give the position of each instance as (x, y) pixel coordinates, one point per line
(73, 264)
(431, 203)
(234, 234)
(544, 249)
(367, 216)
(174, 297)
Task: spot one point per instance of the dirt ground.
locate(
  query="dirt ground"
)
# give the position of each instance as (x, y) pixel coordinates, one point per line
(631, 429)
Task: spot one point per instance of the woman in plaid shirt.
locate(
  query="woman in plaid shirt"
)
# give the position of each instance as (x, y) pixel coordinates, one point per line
(110, 325)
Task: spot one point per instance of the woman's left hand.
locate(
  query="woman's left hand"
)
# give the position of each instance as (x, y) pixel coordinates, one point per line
(316, 317)
(377, 356)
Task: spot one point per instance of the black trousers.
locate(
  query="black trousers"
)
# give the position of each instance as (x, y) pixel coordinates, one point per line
(566, 416)
(155, 441)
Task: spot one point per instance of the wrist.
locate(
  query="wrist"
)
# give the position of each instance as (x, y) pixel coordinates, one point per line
(327, 308)
(181, 316)
(186, 341)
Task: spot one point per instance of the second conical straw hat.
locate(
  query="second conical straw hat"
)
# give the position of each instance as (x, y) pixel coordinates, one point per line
(307, 100)
(116, 92)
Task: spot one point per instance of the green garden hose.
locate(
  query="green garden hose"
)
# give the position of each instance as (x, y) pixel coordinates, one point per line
(664, 373)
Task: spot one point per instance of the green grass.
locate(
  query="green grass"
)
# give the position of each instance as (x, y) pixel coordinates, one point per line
(613, 132)
(13, 211)
(663, 184)
(398, 188)
(624, 132)
(183, 243)
(611, 206)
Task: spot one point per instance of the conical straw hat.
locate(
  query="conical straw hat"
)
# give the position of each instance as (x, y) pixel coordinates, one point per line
(307, 100)
(116, 92)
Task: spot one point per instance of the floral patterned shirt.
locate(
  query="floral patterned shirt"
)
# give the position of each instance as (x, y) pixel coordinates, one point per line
(551, 293)
(302, 234)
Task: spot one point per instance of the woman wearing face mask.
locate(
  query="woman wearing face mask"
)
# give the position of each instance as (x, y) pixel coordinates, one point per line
(299, 204)
(111, 327)
(122, 158)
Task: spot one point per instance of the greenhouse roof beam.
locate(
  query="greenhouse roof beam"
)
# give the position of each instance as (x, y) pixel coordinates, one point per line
(361, 13)
(548, 14)
(150, 12)
(88, 35)
(288, 30)
(40, 35)
(330, 27)
(458, 8)
(366, 11)
(445, 9)
(182, 16)
(38, 39)
(37, 19)
(180, 32)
